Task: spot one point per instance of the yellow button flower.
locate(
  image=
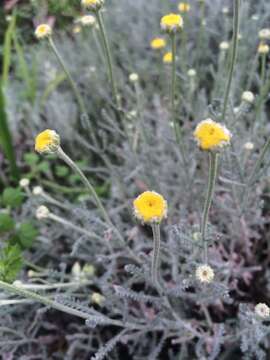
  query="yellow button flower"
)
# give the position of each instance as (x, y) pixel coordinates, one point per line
(183, 7)
(158, 43)
(43, 31)
(171, 23)
(263, 48)
(150, 207)
(210, 135)
(48, 141)
(167, 58)
(93, 5)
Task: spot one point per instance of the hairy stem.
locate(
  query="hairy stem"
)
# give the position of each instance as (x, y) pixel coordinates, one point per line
(108, 57)
(236, 21)
(155, 259)
(213, 163)
(173, 82)
(69, 77)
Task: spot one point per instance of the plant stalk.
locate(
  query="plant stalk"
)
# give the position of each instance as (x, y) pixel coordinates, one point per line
(236, 23)
(213, 164)
(156, 257)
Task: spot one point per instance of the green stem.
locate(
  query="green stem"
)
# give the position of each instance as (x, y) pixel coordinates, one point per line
(213, 164)
(236, 22)
(155, 259)
(108, 57)
(69, 77)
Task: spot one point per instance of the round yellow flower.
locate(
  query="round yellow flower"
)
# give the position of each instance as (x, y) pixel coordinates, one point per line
(48, 141)
(43, 31)
(263, 48)
(167, 58)
(150, 207)
(171, 23)
(183, 7)
(158, 43)
(93, 5)
(211, 135)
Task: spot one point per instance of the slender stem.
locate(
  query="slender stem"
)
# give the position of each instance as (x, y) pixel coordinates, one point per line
(213, 163)
(108, 57)
(173, 86)
(92, 191)
(236, 22)
(69, 77)
(86, 182)
(72, 226)
(155, 259)
(254, 173)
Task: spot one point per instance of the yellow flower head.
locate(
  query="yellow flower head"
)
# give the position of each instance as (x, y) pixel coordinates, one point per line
(171, 23)
(158, 43)
(211, 135)
(150, 207)
(167, 58)
(93, 5)
(43, 31)
(263, 48)
(77, 29)
(183, 7)
(48, 141)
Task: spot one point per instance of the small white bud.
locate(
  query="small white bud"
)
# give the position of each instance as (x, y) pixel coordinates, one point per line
(42, 212)
(24, 183)
(76, 270)
(248, 96)
(97, 298)
(264, 34)
(17, 283)
(37, 190)
(133, 77)
(192, 72)
(262, 310)
(224, 45)
(249, 146)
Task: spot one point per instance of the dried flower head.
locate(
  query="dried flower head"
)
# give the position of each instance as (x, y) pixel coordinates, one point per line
(167, 58)
(42, 212)
(205, 274)
(93, 5)
(262, 310)
(171, 23)
(248, 146)
(48, 141)
(150, 207)
(43, 31)
(87, 20)
(184, 7)
(263, 48)
(211, 135)
(158, 43)
(24, 182)
(224, 45)
(264, 34)
(248, 97)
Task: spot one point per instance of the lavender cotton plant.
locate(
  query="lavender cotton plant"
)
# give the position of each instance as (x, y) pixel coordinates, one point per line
(118, 272)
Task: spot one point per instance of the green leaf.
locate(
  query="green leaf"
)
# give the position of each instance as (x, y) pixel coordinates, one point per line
(12, 197)
(11, 263)
(27, 233)
(31, 159)
(44, 167)
(62, 171)
(6, 223)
